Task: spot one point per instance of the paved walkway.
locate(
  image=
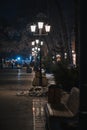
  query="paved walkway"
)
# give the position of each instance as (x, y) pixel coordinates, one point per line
(20, 112)
(38, 113)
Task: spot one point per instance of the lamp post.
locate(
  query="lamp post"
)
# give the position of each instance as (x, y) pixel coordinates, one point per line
(36, 48)
(38, 30)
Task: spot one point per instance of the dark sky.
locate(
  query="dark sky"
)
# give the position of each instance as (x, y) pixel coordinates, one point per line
(11, 9)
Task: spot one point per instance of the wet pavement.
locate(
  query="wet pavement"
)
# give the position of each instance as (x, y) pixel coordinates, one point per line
(14, 79)
(19, 112)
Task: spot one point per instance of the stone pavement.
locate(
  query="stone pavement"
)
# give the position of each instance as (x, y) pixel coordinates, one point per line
(38, 113)
(15, 112)
(20, 112)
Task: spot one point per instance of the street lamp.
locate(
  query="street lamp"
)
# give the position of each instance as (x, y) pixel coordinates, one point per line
(40, 27)
(36, 46)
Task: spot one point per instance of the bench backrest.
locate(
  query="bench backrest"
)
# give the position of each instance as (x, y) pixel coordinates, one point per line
(73, 100)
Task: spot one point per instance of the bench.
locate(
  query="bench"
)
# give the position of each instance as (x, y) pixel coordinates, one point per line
(66, 110)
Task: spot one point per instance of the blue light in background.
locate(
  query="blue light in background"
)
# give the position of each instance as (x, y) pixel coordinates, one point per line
(30, 58)
(18, 58)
